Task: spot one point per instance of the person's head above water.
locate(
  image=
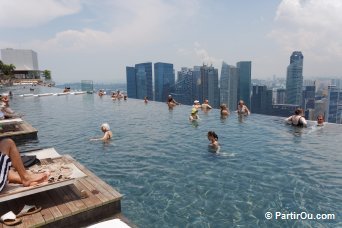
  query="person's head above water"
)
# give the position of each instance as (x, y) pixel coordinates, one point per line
(212, 134)
(298, 111)
(105, 127)
(320, 119)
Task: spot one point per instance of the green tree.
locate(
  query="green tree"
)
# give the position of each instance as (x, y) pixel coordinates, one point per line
(47, 74)
(7, 70)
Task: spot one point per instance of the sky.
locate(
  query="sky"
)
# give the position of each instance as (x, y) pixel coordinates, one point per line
(95, 40)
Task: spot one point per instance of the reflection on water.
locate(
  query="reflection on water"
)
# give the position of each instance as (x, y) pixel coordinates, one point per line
(161, 163)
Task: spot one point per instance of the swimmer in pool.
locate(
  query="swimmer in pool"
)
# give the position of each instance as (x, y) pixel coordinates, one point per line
(320, 120)
(107, 133)
(213, 138)
(194, 116)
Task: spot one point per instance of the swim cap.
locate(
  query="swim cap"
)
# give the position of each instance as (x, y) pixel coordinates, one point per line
(193, 110)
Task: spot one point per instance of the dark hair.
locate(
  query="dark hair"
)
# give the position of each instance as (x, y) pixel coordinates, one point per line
(212, 133)
(298, 111)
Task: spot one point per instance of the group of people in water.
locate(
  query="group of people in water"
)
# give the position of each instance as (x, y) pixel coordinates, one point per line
(297, 119)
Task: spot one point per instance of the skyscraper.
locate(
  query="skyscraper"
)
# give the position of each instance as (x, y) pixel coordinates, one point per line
(183, 90)
(140, 85)
(244, 90)
(261, 100)
(164, 79)
(334, 112)
(209, 86)
(131, 82)
(294, 79)
(229, 85)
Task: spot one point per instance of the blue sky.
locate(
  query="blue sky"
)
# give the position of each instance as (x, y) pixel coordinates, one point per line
(89, 39)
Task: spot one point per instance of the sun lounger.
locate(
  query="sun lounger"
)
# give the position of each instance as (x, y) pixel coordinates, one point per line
(11, 121)
(49, 159)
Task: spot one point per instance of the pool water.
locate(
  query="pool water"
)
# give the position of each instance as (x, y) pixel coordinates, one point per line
(169, 177)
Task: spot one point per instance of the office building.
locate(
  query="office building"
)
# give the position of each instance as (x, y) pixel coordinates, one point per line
(131, 82)
(229, 83)
(334, 107)
(183, 90)
(139, 84)
(281, 96)
(209, 86)
(294, 79)
(164, 79)
(261, 100)
(244, 89)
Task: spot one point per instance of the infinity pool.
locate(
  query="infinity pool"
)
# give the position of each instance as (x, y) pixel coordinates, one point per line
(169, 178)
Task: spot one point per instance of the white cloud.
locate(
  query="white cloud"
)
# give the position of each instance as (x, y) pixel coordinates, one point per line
(32, 13)
(136, 23)
(204, 56)
(312, 26)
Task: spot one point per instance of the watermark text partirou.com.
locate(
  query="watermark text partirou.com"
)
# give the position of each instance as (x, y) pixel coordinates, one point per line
(299, 215)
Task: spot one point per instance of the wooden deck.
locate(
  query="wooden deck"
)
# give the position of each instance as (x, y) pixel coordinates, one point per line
(18, 131)
(65, 206)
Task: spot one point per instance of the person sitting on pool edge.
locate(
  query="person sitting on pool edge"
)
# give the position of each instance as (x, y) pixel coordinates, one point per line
(194, 116)
(10, 156)
(297, 119)
(320, 120)
(213, 138)
(107, 133)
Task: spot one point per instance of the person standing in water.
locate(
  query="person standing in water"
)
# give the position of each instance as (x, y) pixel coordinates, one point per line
(297, 119)
(194, 116)
(242, 108)
(107, 133)
(213, 138)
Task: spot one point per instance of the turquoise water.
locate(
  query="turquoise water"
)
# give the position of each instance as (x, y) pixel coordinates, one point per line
(169, 177)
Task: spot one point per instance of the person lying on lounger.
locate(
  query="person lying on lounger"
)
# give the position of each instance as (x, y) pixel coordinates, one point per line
(9, 156)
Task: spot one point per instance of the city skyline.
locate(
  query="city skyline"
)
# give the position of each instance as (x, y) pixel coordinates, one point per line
(84, 39)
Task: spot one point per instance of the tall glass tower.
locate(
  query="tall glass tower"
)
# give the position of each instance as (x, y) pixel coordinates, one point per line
(294, 79)
(244, 90)
(334, 107)
(139, 81)
(131, 82)
(229, 82)
(164, 79)
(209, 86)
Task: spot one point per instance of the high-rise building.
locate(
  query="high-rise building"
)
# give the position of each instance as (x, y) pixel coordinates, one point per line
(281, 95)
(21, 59)
(294, 79)
(229, 82)
(244, 89)
(140, 84)
(209, 86)
(183, 90)
(309, 97)
(131, 82)
(261, 100)
(164, 79)
(334, 112)
(337, 83)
